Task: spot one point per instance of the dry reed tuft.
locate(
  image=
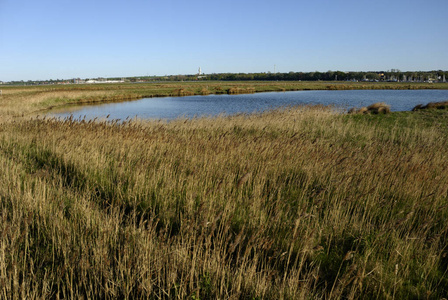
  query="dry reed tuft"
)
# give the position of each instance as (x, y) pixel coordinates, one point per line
(431, 105)
(182, 92)
(239, 90)
(204, 91)
(376, 108)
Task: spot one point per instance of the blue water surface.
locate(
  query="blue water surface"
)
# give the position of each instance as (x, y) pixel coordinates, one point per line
(211, 105)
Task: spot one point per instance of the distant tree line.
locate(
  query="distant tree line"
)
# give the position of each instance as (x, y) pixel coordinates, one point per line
(392, 75)
(389, 75)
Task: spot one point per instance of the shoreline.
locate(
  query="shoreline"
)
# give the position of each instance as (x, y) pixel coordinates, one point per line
(30, 100)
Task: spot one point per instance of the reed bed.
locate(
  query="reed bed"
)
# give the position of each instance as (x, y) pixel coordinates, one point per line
(297, 203)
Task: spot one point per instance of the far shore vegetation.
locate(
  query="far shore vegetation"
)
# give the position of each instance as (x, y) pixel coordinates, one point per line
(302, 202)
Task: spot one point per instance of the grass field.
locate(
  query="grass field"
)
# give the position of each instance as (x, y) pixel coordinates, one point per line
(300, 203)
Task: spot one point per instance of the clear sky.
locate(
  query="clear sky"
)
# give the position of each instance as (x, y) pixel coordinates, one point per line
(64, 39)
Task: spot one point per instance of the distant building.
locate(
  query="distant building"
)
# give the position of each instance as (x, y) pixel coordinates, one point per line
(104, 80)
(78, 81)
(200, 73)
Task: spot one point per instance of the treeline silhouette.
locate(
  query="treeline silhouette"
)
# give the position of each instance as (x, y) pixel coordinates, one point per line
(392, 75)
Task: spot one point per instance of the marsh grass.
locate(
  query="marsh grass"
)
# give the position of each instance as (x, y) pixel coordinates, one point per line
(296, 203)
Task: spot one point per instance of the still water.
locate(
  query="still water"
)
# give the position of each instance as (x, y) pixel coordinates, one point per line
(211, 105)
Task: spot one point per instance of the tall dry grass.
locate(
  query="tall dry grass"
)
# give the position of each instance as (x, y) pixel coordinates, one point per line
(295, 204)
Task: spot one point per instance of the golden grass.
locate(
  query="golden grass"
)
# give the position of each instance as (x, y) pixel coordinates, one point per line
(292, 204)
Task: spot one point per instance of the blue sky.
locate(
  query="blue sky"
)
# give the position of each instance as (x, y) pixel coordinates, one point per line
(66, 38)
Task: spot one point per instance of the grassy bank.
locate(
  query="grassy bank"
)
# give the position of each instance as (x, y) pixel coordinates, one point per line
(302, 203)
(17, 101)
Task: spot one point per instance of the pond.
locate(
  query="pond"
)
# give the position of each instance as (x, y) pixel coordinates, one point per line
(212, 105)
